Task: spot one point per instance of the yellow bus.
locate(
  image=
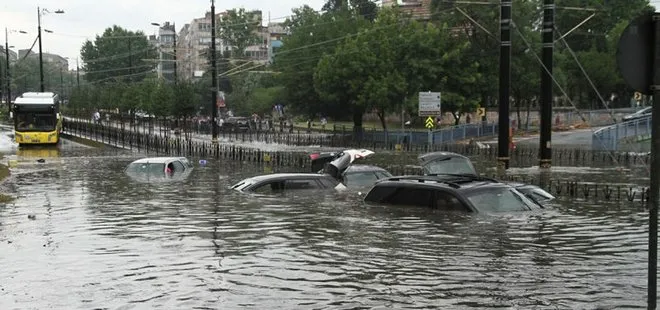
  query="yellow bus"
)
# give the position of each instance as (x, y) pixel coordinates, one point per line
(37, 118)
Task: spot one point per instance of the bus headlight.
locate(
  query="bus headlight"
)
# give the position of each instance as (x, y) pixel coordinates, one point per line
(51, 136)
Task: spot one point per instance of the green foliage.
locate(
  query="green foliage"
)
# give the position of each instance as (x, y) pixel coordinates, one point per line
(237, 29)
(312, 35)
(118, 55)
(25, 77)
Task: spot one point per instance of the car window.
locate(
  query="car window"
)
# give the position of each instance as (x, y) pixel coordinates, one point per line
(383, 174)
(450, 165)
(301, 184)
(408, 196)
(327, 183)
(449, 202)
(269, 187)
(360, 178)
(178, 167)
(500, 199)
(146, 169)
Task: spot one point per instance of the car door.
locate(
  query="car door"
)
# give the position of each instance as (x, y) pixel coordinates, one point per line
(446, 201)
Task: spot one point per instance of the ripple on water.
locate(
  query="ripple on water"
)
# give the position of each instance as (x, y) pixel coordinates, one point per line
(100, 240)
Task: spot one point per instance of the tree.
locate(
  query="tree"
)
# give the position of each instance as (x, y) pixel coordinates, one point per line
(237, 29)
(311, 35)
(118, 55)
(388, 62)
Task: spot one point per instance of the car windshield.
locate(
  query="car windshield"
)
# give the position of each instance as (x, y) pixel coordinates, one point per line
(449, 165)
(146, 169)
(362, 178)
(35, 121)
(501, 199)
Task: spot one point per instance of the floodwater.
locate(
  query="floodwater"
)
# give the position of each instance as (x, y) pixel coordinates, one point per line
(81, 235)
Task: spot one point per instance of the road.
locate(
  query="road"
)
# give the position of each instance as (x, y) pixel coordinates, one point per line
(578, 138)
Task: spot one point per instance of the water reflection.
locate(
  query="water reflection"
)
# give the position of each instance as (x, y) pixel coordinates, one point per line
(102, 240)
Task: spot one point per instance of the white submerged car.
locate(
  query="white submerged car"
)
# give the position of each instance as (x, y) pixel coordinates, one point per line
(159, 169)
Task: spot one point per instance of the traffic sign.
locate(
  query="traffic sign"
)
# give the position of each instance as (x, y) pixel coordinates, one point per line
(634, 54)
(481, 112)
(638, 96)
(429, 104)
(430, 123)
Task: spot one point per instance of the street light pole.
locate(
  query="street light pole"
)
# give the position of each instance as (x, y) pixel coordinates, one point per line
(41, 60)
(175, 74)
(214, 80)
(7, 73)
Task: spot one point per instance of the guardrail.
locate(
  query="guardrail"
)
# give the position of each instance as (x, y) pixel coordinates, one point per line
(607, 138)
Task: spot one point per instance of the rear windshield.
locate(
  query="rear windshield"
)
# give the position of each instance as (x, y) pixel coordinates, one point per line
(450, 165)
(501, 199)
(152, 169)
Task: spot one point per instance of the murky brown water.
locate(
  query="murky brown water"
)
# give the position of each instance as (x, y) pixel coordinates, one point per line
(103, 241)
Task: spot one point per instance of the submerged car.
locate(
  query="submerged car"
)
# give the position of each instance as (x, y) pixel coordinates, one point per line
(450, 165)
(463, 193)
(159, 168)
(334, 173)
(353, 175)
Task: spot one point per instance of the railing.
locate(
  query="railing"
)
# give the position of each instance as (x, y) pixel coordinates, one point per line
(607, 138)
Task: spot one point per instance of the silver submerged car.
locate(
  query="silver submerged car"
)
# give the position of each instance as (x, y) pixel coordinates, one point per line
(337, 174)
(154, 169)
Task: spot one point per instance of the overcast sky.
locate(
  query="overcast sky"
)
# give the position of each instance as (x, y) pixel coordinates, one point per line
(84, 19)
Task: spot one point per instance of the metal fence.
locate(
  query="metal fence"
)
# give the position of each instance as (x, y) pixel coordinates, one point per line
(608, 138)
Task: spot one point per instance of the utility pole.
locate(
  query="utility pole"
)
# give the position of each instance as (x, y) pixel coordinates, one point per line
(61, 83)
(130, 61)
(175, 74)
(41, 60)
(214, 80)
(505, 84)
(654, 187)
(77, 74)
(7, 72)
(545, 147)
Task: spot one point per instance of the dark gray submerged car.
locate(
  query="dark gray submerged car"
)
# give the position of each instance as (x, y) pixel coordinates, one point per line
(453, 164)
(458, 193)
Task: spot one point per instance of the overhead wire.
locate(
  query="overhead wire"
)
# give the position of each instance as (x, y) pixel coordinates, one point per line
(554, 80)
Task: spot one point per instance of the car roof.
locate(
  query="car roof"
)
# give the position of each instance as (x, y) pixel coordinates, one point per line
(439, 155)
(464, 183)
(158, 160)
(364, 168)
(285, 176)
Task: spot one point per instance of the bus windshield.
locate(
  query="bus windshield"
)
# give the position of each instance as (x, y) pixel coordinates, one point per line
(26, 121)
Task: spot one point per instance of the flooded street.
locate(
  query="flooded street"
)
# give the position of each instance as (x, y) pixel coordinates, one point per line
(96, 239)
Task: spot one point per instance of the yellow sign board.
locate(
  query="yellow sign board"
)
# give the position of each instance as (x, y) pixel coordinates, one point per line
(430, 123)
(481, 112)
(638, 96)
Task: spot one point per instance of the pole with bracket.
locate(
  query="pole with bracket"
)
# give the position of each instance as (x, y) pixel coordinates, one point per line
(505, 85)
(545, 147)
(654, 188)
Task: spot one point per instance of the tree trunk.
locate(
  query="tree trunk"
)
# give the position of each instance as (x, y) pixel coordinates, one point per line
(358, 112)
(381, 116)
(457, 118)
(529, 110)
(518, 103)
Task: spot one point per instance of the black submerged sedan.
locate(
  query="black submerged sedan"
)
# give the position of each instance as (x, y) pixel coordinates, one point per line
(460, 193)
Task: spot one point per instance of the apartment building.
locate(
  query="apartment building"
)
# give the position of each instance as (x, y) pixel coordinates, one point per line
(165, 44)
(418, 9)
(194, 42)
(276, 34)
